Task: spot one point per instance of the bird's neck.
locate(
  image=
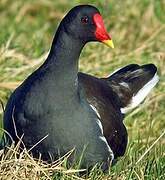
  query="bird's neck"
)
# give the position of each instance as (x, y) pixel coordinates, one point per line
(64, 55)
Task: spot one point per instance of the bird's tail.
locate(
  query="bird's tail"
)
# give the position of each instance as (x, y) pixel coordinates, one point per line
(132, 84)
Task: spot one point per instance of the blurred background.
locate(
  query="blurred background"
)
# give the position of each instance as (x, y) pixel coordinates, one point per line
(138, 31)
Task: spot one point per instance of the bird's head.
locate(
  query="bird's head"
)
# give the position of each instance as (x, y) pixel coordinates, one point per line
(84, 22)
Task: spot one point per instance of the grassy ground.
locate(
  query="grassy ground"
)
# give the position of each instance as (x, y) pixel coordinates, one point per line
(137, 28)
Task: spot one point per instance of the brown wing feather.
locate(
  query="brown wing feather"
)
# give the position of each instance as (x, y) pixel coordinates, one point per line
(106, 102)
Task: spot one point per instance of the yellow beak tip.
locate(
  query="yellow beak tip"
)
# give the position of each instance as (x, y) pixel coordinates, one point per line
(109, 43)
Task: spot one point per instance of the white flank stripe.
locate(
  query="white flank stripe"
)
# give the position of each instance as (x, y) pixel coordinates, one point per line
(101, 127)
(95, 110)
(141, 94)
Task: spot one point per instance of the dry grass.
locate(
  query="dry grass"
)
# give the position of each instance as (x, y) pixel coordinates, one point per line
(21, 166)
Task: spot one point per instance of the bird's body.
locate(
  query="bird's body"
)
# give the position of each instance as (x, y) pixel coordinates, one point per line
(55, 103)
(117, 94)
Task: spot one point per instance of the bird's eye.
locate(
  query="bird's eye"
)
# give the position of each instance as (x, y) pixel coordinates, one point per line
(84, 20)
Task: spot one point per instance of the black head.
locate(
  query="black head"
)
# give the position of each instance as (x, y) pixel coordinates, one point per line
(85, 23)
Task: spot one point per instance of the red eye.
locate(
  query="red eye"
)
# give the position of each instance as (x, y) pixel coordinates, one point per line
(84, 20)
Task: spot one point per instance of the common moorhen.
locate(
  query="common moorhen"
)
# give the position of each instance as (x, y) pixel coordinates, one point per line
(71, 109)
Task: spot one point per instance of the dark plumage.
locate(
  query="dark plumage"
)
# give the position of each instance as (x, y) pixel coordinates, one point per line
(58, 103)
(109, 95)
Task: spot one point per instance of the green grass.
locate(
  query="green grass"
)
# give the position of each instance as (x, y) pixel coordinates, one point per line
(137, 28)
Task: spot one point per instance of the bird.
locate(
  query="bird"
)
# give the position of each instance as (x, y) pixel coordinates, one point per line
(57, 109)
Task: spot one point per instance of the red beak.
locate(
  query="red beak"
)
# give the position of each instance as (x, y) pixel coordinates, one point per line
(100, 33)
